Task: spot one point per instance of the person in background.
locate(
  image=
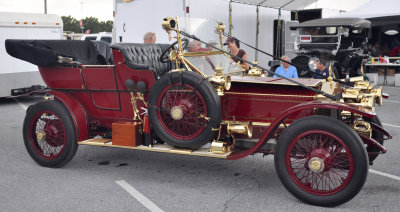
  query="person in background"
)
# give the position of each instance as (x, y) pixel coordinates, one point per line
(195, 46)
(285, 69)
(394, 52)
(149, 37)
(212, 43)
(321, 69)
(234, 46)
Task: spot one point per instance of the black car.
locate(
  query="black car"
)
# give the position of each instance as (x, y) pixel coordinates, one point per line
(340, 41)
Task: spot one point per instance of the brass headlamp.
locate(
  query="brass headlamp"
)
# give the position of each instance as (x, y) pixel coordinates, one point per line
(363, 127)
(256, 72)
(168, 24)
(220, 81)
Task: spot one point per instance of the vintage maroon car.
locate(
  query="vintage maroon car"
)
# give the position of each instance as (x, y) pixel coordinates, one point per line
(158, 97)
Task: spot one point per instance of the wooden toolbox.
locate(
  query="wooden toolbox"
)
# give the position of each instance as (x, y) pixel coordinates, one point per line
(127, 133)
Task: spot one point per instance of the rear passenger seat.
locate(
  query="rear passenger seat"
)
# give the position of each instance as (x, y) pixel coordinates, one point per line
(144, 56)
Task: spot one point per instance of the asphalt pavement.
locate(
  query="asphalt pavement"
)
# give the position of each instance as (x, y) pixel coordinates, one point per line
(113, 179)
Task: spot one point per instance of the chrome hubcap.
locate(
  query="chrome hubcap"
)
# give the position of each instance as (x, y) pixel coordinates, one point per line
(41, 136)
(316, 164)
(177, 113)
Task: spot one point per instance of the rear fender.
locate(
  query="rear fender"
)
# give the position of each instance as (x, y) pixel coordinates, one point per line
(77, 112)
(304, 106)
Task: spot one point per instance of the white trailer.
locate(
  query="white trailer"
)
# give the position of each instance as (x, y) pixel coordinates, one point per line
(17, 76)
(134, 18)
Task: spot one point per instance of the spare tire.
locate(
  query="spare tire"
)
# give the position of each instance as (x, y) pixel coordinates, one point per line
(183, 109)
(301, 64)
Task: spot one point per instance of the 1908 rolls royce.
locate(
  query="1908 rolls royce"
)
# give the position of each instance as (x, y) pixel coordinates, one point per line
(159, 97)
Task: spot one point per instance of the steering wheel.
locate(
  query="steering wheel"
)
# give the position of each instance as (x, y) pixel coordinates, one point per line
(164, 58)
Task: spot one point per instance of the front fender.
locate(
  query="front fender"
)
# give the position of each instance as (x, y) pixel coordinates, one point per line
(77, 112)
(308, 105)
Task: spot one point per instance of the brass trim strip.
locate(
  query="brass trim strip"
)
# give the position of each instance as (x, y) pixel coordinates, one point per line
(277, 83)
(272, 100)
(256, 123)
(204, 152)
(199, 54)
(98, 66)
(261, 94)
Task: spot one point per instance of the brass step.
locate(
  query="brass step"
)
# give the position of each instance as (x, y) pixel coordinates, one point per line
(203, 151)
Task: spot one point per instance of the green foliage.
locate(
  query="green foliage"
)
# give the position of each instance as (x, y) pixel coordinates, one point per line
(70, 24)
(92, 23)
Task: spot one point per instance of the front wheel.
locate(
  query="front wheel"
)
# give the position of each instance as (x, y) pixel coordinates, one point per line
(49, 134)
(321, 161)
(184, 110)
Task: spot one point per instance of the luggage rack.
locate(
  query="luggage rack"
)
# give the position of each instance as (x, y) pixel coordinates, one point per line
(203, 151)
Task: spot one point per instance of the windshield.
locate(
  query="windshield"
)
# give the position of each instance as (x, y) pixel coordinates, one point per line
(203, 57)
(318, 35)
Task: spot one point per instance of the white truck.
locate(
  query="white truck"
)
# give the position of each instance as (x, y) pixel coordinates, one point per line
(134, 18)
(17, 76)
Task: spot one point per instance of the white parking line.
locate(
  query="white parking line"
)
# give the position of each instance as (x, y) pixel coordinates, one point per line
(392, 101)
(384, 174)
(138, 196)
(21, 105)
(391, 125)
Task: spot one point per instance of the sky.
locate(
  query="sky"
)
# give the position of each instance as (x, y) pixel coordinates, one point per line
(103, 9)
(346, 5)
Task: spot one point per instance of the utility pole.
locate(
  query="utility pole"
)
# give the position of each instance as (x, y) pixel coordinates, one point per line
(45, 6)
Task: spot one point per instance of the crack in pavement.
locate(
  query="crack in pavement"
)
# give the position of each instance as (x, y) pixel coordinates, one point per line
(247, 176)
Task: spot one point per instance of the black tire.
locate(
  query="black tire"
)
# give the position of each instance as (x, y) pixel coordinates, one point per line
(301, 64)
(189, 95)
(377, 136)
(273, 69)
(49, 134)
(320, 138)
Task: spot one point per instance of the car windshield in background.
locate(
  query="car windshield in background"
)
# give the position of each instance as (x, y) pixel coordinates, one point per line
(207, 58)
(310, 35)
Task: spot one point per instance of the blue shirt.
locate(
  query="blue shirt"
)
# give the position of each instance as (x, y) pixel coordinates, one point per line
(291, 72)
(325, 73)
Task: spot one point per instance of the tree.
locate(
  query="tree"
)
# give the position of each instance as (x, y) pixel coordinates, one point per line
(92, 23)
(70, 24)
(106, 26)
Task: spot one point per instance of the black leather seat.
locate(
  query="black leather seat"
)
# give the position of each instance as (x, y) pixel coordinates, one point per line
(144, 56)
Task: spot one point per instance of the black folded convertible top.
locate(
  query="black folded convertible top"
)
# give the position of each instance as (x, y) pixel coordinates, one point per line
(45, 52)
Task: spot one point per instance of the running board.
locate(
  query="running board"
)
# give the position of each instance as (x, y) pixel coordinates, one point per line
(204, 151)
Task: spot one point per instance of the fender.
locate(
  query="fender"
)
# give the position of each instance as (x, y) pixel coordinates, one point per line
(308, 105)
(77, 112)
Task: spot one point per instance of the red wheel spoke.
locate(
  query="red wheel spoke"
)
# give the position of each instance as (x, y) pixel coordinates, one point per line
(190, 103)
(47, 134)
(334, 162)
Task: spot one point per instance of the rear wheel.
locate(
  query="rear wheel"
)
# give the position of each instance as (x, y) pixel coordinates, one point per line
(49, 134)
(321, 161)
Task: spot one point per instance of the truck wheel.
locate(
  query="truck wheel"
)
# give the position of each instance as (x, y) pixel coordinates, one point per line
(377, 136)
(184, 108)
(49, 134)
(321, 161)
